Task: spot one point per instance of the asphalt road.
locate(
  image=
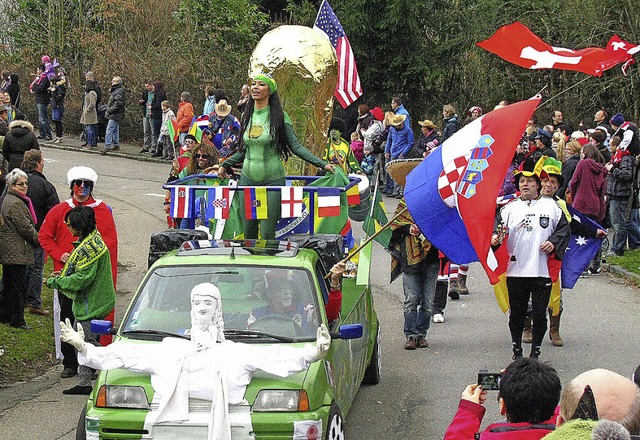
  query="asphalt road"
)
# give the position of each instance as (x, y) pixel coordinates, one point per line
(419, 391)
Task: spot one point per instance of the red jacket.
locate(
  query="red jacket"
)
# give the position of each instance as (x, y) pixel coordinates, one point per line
(55, 238)
(467, 420)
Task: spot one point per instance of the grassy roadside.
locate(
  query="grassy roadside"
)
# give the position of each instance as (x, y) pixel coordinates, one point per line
(27, 354)
(629, 261)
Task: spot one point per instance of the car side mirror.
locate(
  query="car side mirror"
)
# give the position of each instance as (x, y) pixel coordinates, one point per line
(103, 327)
(349, 331)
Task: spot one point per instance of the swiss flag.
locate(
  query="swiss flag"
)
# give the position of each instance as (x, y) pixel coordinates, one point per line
(517, 44)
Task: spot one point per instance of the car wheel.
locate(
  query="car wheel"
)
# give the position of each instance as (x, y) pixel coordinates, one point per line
(335, 425)
(373, 371)
(81, 430)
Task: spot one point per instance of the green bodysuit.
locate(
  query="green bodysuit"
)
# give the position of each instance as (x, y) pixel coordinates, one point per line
(262, 166)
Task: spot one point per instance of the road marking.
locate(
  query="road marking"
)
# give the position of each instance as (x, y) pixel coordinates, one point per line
(155, 195)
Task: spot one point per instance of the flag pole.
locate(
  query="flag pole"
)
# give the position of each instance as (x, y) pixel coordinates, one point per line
(353, 252)
(558, 94)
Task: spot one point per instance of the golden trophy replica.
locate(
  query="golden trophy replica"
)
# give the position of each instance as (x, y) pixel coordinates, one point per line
(303, 62)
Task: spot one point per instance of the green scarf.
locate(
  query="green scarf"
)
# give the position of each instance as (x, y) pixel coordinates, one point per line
(87, 252)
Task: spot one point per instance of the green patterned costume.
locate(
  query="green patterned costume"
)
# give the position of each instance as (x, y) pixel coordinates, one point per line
(262, 166)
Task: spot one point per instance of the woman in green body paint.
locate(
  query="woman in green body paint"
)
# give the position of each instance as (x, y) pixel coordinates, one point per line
(266, 140)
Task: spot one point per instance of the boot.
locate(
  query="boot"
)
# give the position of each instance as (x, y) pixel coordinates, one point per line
(535, 352)
(517, 352)
(454, 292)
(526, 331)
(554, 330)
(462, 285)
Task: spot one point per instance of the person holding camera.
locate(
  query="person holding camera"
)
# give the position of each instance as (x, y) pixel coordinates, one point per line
(528, 393)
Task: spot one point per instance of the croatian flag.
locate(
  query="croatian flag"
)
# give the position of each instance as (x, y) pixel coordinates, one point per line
(328, 202)
(218, 202)
(180, 202)
(348, 88)
(291, 201)
(452, 193)
(255, 203)
(516, 44)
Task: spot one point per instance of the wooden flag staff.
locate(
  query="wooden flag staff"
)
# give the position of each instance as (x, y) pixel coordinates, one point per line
(368, 240)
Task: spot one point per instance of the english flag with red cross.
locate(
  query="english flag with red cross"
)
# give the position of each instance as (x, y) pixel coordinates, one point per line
(517, 44)
(291, 201)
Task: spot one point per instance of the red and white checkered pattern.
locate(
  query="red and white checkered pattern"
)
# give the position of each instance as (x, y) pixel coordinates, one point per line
(448, 180)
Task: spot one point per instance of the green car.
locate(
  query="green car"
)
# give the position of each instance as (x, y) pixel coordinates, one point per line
(310, 404)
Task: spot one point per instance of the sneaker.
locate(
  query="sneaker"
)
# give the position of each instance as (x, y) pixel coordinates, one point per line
(144, 150)
(410, 344)
(422, 342)
(614, 254)
(116, 148)
(595, 271)
(584, 274)
(535, 352)
(438, 317)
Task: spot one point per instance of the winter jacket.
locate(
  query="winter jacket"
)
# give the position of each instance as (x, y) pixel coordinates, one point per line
(466, 423)
(399, 142)
(619, 179)
(41, 91)
(19, 140)
(167, 116)
(43, 195)
(184, 117)
(568, 168)
(209, 105)
(116, 103)
(58, 94)
(358, 149)
(14, 90)
(450, 125)
(18, 236)
(89, 112)
(403, 111)
(4, 127)
(427, 143)
(588, 186)
(156, 104)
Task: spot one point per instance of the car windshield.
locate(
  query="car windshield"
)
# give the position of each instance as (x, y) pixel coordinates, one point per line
(258, 303)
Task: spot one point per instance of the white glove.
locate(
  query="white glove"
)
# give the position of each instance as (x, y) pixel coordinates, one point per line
(323, 341)
(72, 337)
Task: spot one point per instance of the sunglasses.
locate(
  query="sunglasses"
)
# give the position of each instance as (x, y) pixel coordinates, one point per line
(202, 156)
(80, 182)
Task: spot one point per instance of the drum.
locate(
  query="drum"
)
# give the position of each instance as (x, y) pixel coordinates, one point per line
(398, 169)
(360, 211)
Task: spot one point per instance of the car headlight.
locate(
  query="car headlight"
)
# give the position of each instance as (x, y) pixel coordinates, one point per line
(281, 401)
(120, 396)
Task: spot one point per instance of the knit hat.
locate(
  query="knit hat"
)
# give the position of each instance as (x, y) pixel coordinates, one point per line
(617, 119)
(268, 80)
(378, 114)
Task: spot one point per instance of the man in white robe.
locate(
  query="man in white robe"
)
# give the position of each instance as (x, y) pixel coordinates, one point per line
(206, 367)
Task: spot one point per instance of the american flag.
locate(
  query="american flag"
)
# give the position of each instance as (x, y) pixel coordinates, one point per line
(348, 88)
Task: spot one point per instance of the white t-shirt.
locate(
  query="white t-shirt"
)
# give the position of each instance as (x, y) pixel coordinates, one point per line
(529, 224)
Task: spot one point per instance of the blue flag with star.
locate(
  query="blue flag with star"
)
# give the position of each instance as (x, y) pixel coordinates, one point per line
(583, 246)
